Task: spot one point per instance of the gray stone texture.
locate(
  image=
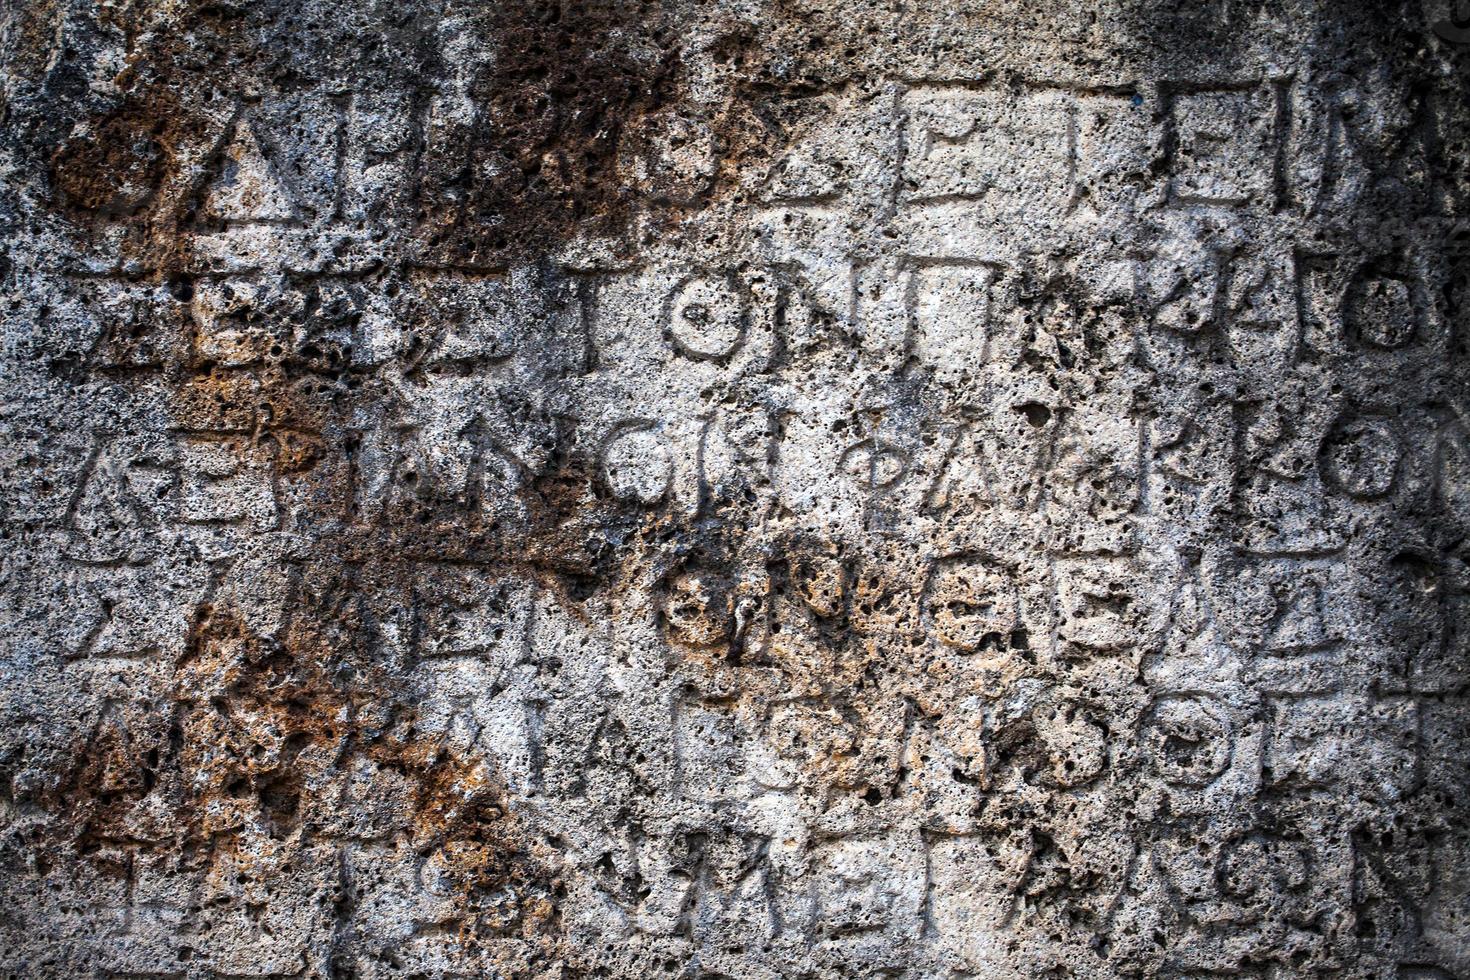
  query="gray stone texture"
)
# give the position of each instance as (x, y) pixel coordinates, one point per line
(755, 489)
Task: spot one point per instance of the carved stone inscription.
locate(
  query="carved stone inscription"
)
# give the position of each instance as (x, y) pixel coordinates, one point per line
(756, 490)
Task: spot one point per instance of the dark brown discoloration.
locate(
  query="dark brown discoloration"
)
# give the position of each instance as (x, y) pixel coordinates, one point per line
(259, 727)
(564, 114)
(135, 157)
(563, 93)
(572, 123)
(113, 170)
(257, 739)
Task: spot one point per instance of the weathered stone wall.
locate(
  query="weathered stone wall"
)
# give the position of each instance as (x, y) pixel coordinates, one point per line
(766, 489)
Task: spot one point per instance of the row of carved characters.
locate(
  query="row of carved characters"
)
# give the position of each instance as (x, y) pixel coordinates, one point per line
(1080, 473)
(271, 911)
(974, 631)
(1194, 752)
(1194, 745)
(1316, 146)
(684, 876)
(437, 325)
(988, 169)
(210, 486)
(231, 762)
(1189, 747)
(303, 159)
(925, 901)
(1298, 474)
(1258, 896)
(419, 321)
(1273, 309)
(1183, 291)
(1275, 896)
(969, 602)
(964, 323)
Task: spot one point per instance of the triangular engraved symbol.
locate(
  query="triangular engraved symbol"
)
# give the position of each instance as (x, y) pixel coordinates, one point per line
(246, 187)
(966, 473)
(1192, 628)
(104, 517)
(114, 760)
(1300, 627)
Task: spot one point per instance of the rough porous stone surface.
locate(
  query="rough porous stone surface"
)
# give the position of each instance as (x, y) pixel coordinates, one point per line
(755, 489)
